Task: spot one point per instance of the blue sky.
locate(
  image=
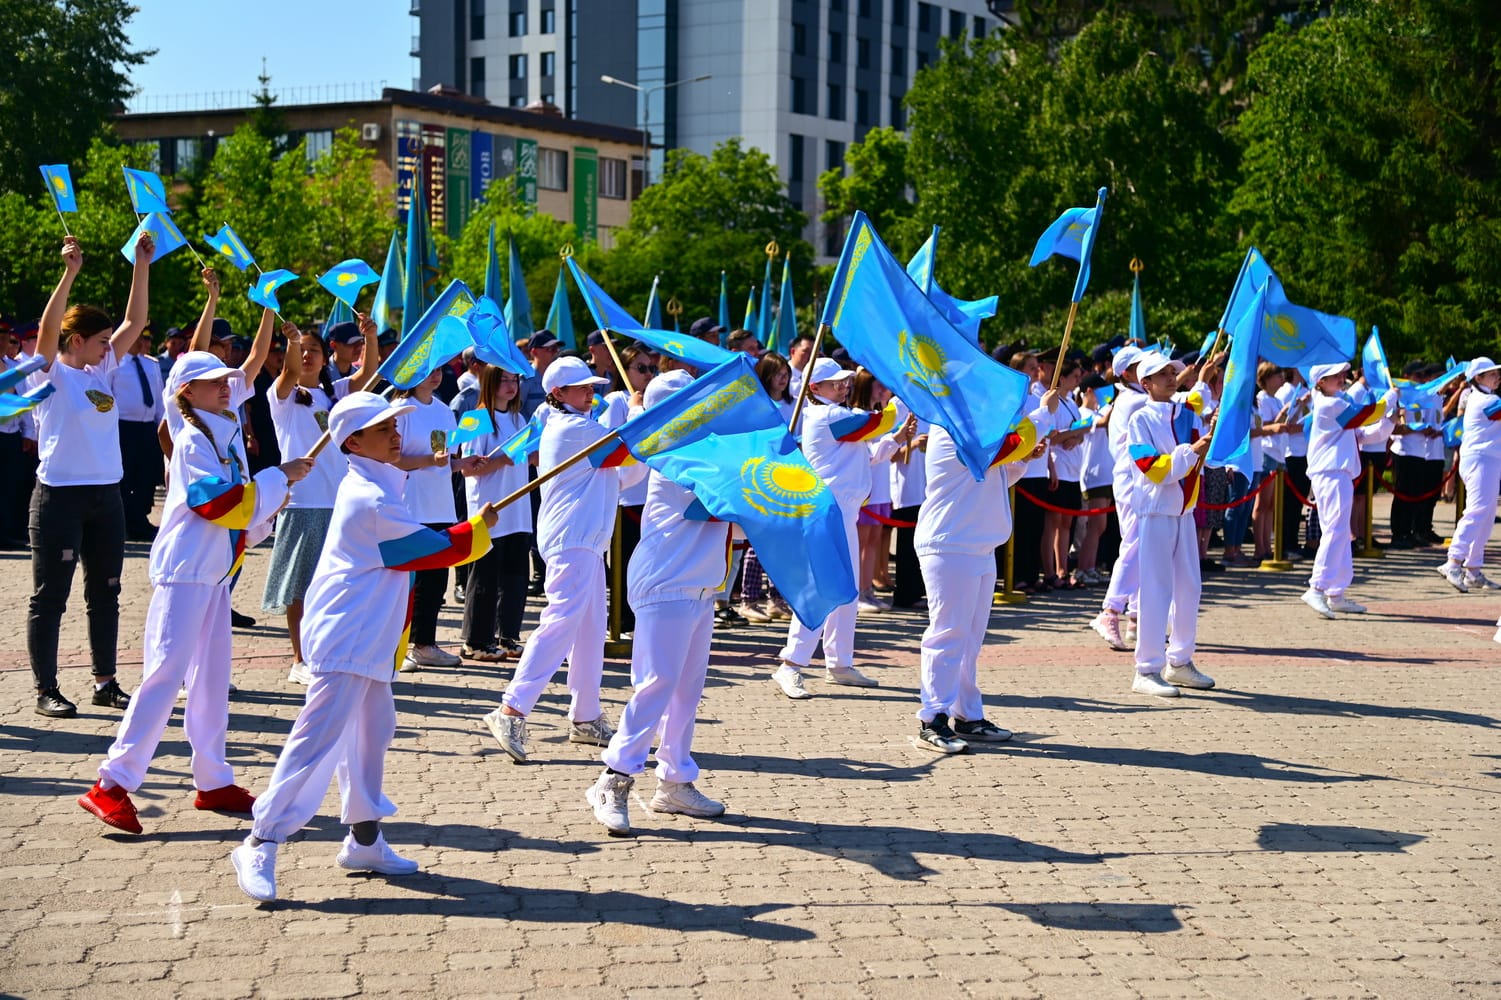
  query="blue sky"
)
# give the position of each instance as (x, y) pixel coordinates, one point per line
(208, 49)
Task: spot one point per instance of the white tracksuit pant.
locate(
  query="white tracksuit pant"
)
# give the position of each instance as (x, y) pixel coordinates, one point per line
(345, 728)
(669, 660)
(1482, 479)
(837, 630)
(571, 627)
(960, 592)
(187, 640)
(1334, 565)
(1125, 575)
(1169, 591)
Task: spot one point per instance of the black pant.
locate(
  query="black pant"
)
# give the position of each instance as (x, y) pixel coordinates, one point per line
(141, 454)
(72, 524)
(630, 537)
(496, 591)
(461, 503)
(539, 565)
(1026, 534)
(13, 468)
(909, 586)
(1292, 507)
(427, 600)
(1408, 477)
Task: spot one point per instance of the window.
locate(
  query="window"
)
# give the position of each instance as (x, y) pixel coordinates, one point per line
(926, 15)
(185, 154)
(477, 76)
(862, 107)
(899, 12)
(518, 24)
(956, 24)
(612, 177)
(979, 27)
(862, 53)
(922, 60)
(865, 8)
(518, 67)
(549, 63)
(836, 47)
(552, 169)
(799, 39)
(476, 19)
(836, 4)
(799, 96)
(549, 22)
(898, 61)
(795, 158)
(518, 101)
(548, 99)
(318, 143)
(897, 112)
(836, 102)
(834, 155)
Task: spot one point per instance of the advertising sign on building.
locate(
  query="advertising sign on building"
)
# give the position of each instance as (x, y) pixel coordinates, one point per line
(435, 169)
(586, 192)
(526, 170)
(408, 157)
(481, 164)
(460, 207)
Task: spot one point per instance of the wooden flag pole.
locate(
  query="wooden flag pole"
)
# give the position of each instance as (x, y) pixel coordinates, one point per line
(802, 390)
(543, 477)
(1068, 329)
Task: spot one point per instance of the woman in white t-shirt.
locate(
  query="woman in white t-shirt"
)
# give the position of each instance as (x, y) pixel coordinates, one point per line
(496, 593)
(1064, 474)
(1096, 481)
(76, 512)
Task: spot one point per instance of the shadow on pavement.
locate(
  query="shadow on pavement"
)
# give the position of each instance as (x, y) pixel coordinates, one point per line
(1308, 838)
(814, 767)
(1220, 763)
(1262, 701)
(1143, 918)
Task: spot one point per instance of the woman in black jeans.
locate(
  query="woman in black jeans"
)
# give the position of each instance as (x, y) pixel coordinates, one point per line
(76, 511)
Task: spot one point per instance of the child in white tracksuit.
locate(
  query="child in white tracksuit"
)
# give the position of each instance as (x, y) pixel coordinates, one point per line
(1166, 443)
(834, 440)
(675, 572)
(1121, 594)
(358, 618)
(959, 526)
(1480, 469)
(574, 524)
(1333, 465)
(211, 515)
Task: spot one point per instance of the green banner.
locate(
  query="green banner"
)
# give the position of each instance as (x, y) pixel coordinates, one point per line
(586, 192)
(460, 204)
(526, 170)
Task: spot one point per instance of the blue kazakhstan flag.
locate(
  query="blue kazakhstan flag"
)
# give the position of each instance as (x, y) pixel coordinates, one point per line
(1231, 442)
(227, 242)
(59, 181)
(963, 315)
(470, 426)
(345, 279)
(560, 314)
(264, 292)
(608, 315)
(525, 442)
(1373, 366)
(886, 323)
(421, 271)
(1291, 336)
(147, 194)
(723, 438)
(653, 318)
(429, 342)
(518, 308)
(487, 331)
(724, 310)
(1072, 235)
(13, 404)
(163, 231)
(784, 330)
(389, 292)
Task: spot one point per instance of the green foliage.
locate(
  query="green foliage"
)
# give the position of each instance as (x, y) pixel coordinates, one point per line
(61, 81)
(874, 180)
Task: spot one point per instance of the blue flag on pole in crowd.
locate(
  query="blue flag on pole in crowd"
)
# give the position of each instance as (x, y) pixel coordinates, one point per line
(427, 343)
(608, 315)
(389, 292)
(13, 404)
(560, 314)
(724, 310)
(750, 310)
(493, 286)
(340, 312)
(470, 426)
(1254, 272)
(1072, 235)
(1291, 336)
(421, 272)
(885, 322)
(963, 315)
(59, 181)
(227, 242)
(653, 316)
(518, 308)
(1454, 372)
(264, 292)
(345, 279)
(723, 438)
(1138, 327)
(163, 231)
(147, 194)
(762, 328)
(525, 442)
(492, 340)
(14, 376)
(1232, 430)
(1373, 366)
(784, 330)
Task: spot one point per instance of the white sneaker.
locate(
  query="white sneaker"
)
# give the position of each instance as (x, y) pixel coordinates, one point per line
(1186, 675)
(300, 673)
(255, 870)
(1339, 602)
(377, 857)
(432, 656)
(610, 798)
(510, 733)
(1497, 636)
(595, 733)
(408, 665)
(1455, 574)
(682, 797)
(1476, 580)
(790, 680)
(1316, 600)
(752, 613)
(779, 609)
(1108, 625)
(1128, 631)
(869, 605)
(850, 677)
(1153, 684)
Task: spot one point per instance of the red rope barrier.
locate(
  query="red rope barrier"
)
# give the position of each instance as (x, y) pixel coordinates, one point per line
(1065, 511)
(888, 521)
(1269, 480)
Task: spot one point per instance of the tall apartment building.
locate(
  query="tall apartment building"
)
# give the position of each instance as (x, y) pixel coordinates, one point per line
(799, 79)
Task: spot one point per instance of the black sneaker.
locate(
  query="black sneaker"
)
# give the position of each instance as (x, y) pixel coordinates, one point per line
(237, 620)
(535, 587)
(981, 731)
(733, 618)
(52, 704)
(937, 735)
(112, 695)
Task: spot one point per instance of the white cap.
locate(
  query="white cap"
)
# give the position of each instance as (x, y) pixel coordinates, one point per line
(665, 385)
(1318, 373)
(828, 370)
(1479, 367)
(569, 371)
(360, 411)
(1125, 358)
(194, 366)
(1153, 362)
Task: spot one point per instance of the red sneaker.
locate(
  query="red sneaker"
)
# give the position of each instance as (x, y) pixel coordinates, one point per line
(230, 799)
(112, 806)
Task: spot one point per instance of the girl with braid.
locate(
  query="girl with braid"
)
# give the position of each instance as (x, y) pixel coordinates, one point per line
(211, 515)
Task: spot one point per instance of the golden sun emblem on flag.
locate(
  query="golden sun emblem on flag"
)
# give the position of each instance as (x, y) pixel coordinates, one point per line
(103, 402)
(347, 279)
(925, 361)
(57, 182)
(780, 488)
(1283, 331)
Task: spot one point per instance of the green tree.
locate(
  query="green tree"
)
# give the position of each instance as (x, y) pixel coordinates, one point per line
(874, 180)
(62, 80)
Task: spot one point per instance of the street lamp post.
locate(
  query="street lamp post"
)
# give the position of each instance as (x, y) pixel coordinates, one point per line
(646, 93)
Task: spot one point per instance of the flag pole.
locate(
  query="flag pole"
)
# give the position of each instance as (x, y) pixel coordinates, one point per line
(1068, 329)
(543, 477)
(60, 217)
(802, 390)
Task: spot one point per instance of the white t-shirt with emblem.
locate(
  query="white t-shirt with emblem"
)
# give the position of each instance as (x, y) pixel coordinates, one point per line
(78, 425)
(429, 490)
(298, 428)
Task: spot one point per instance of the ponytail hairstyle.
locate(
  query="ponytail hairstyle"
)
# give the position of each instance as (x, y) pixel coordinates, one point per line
(83, 322)
(191, 416)
(305, 398)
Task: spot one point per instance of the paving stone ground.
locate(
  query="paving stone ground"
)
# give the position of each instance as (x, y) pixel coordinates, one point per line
(1324, 823)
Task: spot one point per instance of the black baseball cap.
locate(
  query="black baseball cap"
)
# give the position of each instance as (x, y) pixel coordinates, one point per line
(704, 327)
(542, 338)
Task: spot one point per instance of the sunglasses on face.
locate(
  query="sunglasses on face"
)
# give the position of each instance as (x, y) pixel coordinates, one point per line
(644, 369)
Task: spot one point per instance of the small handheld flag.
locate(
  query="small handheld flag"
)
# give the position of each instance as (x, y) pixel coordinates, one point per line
(430, 341)
(345, 279)
(227, 242)
(264, 292)
(1072, 235)
(16, 375)
(964, 315)
(59, 183)
(1378, 375)
(163, 231)
(608, 315)
(492, 341)
(147, 193)
(471, 425)
(14, 404)
(525, 442)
